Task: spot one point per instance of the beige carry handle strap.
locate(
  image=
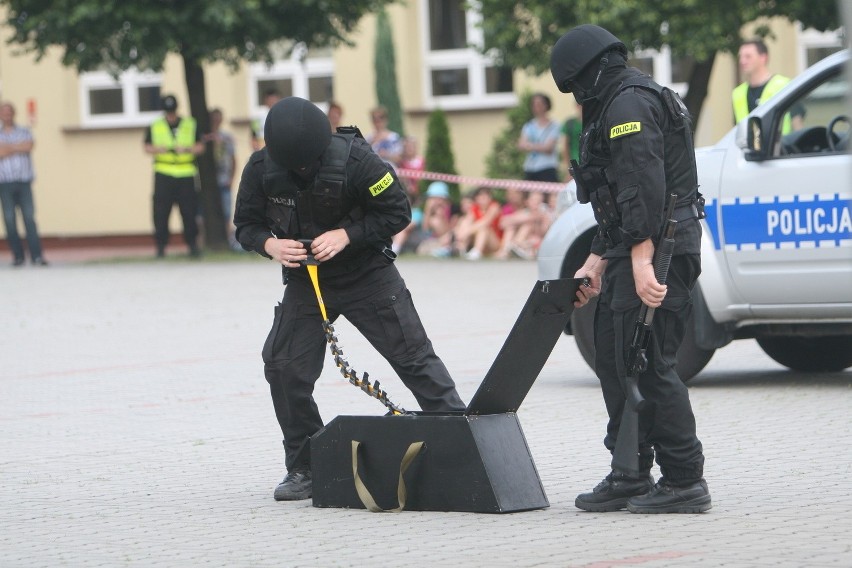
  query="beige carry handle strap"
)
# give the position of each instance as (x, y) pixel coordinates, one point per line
(401, 493)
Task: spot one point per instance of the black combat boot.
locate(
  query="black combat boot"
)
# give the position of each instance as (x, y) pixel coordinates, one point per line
(667, 498)
(612, 493)
(295, 486)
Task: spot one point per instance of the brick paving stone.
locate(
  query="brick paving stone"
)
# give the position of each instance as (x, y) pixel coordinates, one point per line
(136, 430)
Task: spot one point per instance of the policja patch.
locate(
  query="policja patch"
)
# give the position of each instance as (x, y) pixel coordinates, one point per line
(625, 129)
(381, 185)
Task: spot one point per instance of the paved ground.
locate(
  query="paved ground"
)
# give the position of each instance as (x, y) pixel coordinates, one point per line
(136, 430)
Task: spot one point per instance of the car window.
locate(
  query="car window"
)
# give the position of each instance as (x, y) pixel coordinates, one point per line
(817, 122)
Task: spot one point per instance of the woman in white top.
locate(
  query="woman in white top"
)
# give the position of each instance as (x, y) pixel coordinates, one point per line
(540, 140)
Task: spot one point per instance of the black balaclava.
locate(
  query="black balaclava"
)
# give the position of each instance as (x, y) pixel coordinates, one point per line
(297, 133)
(594, 79)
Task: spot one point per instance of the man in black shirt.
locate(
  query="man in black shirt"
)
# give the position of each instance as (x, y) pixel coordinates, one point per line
(333, 190)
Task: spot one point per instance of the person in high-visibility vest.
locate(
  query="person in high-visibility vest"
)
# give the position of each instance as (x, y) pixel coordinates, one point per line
(174, 142)
(759, 85)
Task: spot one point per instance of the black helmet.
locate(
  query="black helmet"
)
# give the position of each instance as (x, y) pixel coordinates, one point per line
(578, 49)
(297, 132)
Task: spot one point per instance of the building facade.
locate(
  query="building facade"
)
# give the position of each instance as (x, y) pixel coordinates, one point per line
(93, 178)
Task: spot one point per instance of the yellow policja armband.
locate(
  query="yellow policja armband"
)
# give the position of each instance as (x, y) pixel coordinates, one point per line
(625, 129)
(381, 185)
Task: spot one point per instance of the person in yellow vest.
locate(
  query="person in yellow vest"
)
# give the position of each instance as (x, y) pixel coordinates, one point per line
(759, 85)
(174, 141)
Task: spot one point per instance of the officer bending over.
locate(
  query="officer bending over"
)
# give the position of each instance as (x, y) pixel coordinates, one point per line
(308, 183)
(636, 149)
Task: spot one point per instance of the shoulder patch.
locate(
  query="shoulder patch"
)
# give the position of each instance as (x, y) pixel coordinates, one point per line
(625, 129)
(381, 185)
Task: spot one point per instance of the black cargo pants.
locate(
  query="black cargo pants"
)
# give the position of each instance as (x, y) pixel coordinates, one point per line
(374, 298)
(667, 423)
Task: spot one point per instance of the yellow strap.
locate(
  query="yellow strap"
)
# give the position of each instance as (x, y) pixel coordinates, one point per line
(312, 272)
(401, 493)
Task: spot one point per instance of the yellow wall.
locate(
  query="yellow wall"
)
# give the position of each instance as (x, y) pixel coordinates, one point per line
(99, 181)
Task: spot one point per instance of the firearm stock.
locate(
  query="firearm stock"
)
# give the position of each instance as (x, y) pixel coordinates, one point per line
(625, 456)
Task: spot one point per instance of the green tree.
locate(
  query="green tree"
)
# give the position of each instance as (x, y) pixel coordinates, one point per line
(387, 91)
(695, 28)
(506, 161)
(439, 152)
(115, 36)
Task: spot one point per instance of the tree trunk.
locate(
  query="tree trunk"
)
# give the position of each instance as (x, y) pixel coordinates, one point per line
(699, 80)
(215, 236)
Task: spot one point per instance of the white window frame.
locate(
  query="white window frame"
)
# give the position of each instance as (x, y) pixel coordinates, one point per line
(468, 58)
(662, 62)
(128, 82)
(811, 38)
(299, 69)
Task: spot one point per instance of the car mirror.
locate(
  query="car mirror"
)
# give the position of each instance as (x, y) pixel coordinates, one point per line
(755, 145)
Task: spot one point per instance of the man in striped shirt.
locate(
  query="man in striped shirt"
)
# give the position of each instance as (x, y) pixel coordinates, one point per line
(16, 176)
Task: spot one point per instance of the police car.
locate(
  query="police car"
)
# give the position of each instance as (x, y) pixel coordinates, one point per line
(777, 240)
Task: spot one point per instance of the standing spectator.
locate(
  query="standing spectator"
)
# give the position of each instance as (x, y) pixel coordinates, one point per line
(571, 131)
(478, 233)
(540, 140)
(335, 115)
(224, 154)
(759, 84)
(16, 177)
(174, 142)
(411, 159)
(386, 143)
(351, 231)
(270, 97)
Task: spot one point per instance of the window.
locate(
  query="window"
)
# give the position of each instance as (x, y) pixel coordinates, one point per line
(304, 73)
(817, 122)
(814, 45)
(671, 72)
(457, 75)
(131, 100)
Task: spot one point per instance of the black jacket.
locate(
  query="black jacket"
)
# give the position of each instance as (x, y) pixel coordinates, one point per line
(373, 207)
(634, 137)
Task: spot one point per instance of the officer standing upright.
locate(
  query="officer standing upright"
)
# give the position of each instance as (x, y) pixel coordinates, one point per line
(332, 189)
(174, 141)
(636, 149)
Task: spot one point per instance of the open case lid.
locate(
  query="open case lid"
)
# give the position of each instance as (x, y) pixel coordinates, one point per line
(523, 355)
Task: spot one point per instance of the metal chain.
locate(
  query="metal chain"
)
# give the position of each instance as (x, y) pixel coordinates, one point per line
(372, 389)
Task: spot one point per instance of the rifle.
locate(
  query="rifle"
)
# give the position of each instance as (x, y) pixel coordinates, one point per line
(625, 456)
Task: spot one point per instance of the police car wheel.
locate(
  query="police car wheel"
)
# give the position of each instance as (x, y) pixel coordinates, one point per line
(827, 354)
(690, 358)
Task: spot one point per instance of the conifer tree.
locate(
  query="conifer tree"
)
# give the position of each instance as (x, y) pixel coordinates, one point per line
(439, 152)
(387, 92)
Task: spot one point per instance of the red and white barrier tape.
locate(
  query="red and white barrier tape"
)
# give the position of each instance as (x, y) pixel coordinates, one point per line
(546, 186)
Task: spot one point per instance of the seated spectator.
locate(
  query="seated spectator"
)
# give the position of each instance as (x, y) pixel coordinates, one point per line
(511, 216)
(478, 233)
(438, 221)
(525, 229)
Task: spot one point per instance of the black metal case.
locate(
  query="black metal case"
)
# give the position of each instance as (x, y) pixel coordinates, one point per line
(475, 461)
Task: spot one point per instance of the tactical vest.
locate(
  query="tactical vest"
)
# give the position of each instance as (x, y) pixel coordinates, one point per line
(595, 186)
(307, 213)
(174, 164)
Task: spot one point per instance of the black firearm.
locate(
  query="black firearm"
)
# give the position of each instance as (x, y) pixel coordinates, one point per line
(625, 456)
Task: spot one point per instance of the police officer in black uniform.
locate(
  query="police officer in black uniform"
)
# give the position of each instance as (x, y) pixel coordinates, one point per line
(332, 189)
(636, 149)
